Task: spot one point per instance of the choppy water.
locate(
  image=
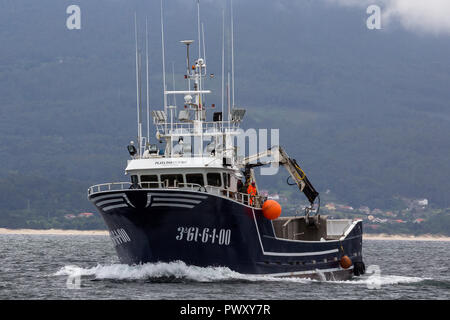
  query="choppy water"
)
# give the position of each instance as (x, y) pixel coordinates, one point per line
(39, 266)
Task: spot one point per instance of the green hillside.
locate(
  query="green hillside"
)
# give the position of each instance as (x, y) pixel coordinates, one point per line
(366, 113)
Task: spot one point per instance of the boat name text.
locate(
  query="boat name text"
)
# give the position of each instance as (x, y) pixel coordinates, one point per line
(204, 235)
(119, 236)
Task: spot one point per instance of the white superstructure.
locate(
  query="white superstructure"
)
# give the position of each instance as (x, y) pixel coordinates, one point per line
(194, 139)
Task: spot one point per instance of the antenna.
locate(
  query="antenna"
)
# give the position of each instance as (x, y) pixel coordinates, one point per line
(228, 95)
(200, 100)
(163, 63)
(204, 48)
(173, 84)
(204, 58)
(223, 58)
(232, 53)
(198, 29)
(138, 102)
(188, 67)
(148, 92)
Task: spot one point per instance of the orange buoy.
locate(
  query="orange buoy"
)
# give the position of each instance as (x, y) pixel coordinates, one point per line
(345, 262)
(271, 209)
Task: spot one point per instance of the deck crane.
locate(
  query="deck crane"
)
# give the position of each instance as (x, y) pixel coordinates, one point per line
(278, 155)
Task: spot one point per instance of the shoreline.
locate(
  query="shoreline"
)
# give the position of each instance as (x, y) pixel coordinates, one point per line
(54, 232)
(405, 237)
(371, 236)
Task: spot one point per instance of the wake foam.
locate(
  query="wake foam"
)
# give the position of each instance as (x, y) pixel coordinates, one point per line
(381, 280)
(179, 271)
(159, 271)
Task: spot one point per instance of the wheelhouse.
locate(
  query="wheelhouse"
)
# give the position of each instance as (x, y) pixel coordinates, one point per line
(225, 179)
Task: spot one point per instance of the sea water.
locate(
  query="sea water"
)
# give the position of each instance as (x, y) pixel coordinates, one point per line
(86, 267)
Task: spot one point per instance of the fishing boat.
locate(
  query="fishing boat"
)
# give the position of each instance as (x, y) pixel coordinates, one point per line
(188, 198)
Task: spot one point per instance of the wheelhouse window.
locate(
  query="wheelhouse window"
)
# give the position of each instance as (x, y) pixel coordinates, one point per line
(226, 179)
(214, 179)
(196, 178)
(134, 180)
(173, 179)
(149, 181)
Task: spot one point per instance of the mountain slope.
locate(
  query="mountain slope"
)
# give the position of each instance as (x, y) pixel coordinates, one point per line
(365, 112)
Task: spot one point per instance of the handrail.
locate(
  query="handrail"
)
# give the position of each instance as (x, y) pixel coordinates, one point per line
(257, 201)
(188, 127)
(244, 198)
(111, 186)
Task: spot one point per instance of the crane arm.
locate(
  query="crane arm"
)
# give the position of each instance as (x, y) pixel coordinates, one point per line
(280, 156)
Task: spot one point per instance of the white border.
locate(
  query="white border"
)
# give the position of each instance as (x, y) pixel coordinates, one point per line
(295, 273)
(288, 254)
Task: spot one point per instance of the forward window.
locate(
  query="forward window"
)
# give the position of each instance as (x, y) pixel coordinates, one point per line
(214, 179)
(172, 179)
(149, 181)
(196, 178)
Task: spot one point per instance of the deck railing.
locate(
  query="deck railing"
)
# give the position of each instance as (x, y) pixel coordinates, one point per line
(255, 201)
(208, 127)
(112, 186)
(245, 198)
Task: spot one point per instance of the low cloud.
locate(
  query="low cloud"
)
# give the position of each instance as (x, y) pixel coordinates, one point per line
(423, 16)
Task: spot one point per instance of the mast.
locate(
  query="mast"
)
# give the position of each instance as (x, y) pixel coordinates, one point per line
(223, 61)
(163, 64)
(204, 48)
(232, 54)
(173, 84)
(198, 28)
(200, 67)
(138, 102)
(229, 100)
(148, 92)
(203, 69)
(193, 97)
(188, 72)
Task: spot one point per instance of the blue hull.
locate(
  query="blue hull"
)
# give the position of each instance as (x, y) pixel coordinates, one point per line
(201, 229)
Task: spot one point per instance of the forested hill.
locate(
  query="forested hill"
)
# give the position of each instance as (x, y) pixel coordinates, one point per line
(365, 112)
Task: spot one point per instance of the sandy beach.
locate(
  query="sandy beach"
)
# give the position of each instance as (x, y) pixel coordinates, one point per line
(401, 237)
(405, 237)
(55, 232)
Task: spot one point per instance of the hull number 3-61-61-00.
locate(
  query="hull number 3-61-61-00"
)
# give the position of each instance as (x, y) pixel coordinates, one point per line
(204, 235)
